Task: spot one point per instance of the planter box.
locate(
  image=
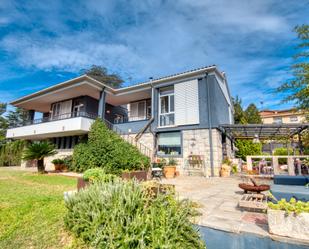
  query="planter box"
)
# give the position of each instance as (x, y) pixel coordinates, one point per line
(81, 183)
(141, 175)
(290, 225)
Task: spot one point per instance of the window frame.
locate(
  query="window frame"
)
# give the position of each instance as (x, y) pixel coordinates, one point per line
(169, 155)
(169, 95)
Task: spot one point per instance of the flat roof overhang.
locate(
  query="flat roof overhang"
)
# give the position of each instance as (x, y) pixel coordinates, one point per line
(263, 131)
(86, 85)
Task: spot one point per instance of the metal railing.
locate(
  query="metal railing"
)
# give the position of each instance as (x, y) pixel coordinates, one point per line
(128, 119)
(130, 139)
(55, 118)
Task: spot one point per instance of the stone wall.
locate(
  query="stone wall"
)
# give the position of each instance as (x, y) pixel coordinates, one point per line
(196, 142)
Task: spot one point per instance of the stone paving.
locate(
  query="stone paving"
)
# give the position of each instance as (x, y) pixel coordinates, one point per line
(219, 198)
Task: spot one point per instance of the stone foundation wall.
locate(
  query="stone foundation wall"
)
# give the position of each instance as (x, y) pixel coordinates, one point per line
(196, 142)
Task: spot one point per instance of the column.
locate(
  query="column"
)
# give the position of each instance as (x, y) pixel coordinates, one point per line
(101, 109)
(276, 165)
(291, 166)
(249, 162)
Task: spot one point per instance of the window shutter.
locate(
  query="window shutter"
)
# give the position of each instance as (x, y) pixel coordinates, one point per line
(186, 103)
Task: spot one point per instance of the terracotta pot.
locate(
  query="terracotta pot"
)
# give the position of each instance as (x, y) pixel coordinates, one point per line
(81, 183)
(58, 167)
(141, 175)
(169, 171)
(225, 173)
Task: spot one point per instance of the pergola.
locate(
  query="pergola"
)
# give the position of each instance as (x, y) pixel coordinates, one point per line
(265, 131)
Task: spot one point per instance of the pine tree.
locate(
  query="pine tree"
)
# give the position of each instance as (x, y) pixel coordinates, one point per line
(239, 115)
(252, 115)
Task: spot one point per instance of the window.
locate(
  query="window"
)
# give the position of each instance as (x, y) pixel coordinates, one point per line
(137, 111)
(169, 143)
(293, 119)
(277, 120)
(167, 107)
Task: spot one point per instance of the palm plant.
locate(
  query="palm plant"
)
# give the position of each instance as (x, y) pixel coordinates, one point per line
(38, 151)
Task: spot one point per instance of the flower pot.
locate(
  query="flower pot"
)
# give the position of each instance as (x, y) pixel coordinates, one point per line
(169, 171)
(58, 167)
(290, 225)
(139, 175)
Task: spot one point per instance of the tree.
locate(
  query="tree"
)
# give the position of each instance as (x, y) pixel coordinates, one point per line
(38, 151)
(3, 123)
(239, 115)
(17, 117)
(252, 115)
(247, 148)
(101, 74)
(297, 88)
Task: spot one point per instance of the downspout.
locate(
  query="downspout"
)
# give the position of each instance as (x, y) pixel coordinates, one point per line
(209, 127)
(152, 116)
(101, 109)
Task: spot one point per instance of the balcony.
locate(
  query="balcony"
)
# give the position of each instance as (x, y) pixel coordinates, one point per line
(67, 124)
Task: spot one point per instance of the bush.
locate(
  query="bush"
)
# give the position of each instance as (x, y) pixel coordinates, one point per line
(120, 215)
(283, 152)
(11, 153)
(98, 175)
(247, 148)
(67, 161)
(292, 206)
(106, 149)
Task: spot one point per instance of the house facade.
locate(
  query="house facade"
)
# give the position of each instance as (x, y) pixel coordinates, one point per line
(174, 116)
(289, 116)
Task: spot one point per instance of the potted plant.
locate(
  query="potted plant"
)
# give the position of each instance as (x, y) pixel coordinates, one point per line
(58, 163)
(170, 169)
(225, 170)
(38, 151)
(289, 218)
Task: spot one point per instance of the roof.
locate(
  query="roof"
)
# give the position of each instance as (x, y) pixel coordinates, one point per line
(274, 113)
(101, 85)
(263, 131)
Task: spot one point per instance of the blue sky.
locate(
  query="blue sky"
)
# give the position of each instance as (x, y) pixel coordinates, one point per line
(252, 41)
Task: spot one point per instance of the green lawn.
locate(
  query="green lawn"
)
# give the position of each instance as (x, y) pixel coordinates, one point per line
(32, 210)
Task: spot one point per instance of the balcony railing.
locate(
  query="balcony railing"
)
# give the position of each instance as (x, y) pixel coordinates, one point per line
(55, 118)
(121, 120)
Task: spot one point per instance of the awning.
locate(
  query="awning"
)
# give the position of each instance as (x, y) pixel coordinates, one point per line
(263, 131)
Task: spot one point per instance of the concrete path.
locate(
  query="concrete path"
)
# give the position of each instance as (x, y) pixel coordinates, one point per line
(219, 198)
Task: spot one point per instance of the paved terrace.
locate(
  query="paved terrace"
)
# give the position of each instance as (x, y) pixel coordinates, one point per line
(219, 198)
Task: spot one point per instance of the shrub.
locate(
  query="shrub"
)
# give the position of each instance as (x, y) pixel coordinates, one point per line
(11, 153)
(292, 206)
(106, 149)
(98, 175)
(283, 152)
(247, 147)
(172, 162)
(67, 161)
(120, 215)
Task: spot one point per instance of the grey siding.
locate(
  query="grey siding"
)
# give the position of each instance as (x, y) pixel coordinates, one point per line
(132, 127)
(218, 104)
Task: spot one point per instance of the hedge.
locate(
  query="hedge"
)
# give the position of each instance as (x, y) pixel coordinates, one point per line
(11, 153)
(106, 149)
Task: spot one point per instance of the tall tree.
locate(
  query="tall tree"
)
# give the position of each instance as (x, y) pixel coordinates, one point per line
(17, 117)
(239, 115)
(297, 89)
(3, 123)
(252, 115)
(101, 74)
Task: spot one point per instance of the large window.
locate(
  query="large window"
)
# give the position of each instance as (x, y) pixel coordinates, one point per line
(169, 143)
(167, 107)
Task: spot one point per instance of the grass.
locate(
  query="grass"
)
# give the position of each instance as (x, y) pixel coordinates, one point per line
(32, 210)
